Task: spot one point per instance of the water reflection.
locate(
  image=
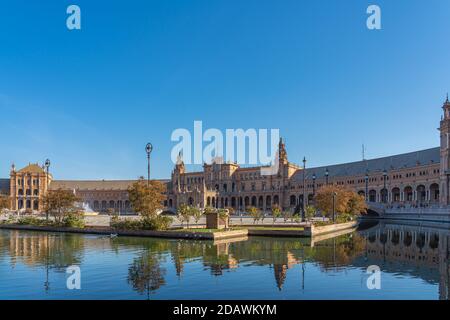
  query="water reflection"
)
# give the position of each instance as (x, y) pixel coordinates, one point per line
(153, 264)
(421, 250)
(145, 274)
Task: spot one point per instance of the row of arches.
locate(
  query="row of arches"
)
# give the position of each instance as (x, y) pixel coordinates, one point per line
(406, 238)
(103, 205)
(418, 194)
(238, 203)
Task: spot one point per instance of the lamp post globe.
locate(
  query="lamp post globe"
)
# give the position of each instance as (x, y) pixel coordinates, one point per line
(148, 150)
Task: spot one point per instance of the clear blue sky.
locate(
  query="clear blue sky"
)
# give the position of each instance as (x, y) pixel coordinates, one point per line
(90, 100)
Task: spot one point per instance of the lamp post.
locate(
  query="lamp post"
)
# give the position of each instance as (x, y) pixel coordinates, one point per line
(47, 166)
(334, 206)
(367, 185)
(327, 173)
(314, 184)
(384, 186)
(304, 189)
(239, 204)
(148, 150)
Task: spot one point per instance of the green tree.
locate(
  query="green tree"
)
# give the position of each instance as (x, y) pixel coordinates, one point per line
(196, 213)
(146, 199)
(62, 204)
(286, 216)
(310, 212)
(276, 212)
(184, 214)
(255, 213)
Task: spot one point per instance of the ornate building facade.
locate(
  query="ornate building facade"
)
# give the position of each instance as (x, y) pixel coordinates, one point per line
(420, 178)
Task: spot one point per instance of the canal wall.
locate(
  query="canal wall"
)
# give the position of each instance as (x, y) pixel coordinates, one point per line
(174, 234)
(303, 231)
(333, 228)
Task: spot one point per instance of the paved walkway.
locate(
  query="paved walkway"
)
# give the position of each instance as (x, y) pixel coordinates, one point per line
(104, 220)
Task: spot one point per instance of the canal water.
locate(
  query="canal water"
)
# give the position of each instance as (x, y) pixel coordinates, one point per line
(412, 259)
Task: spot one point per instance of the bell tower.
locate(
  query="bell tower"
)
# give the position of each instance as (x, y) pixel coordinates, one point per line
(445, 155)
(282, 154)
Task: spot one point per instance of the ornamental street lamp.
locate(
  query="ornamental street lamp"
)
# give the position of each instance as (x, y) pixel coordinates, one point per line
(148, 150)
(327, 173)
(47, 166)
(304, 189)
(334, 206)
(367, 185)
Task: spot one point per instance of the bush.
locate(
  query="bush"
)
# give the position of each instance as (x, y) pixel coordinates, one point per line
(157, 223)
(73, 221)
(126, 224)
(150, 223)
(33, 221)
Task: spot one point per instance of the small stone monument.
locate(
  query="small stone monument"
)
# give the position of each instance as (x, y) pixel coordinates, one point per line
(217, 219)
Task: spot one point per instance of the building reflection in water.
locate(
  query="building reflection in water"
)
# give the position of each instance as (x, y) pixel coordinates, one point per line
(421, 251)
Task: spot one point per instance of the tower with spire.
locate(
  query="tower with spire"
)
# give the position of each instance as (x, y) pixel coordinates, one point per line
(282, 154)
(444, 170)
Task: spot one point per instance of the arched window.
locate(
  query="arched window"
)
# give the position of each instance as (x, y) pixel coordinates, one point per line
(268, 202)
(292, 199)
(254, 201)
(260, 202)
(434, 192)
(408, 193)
(276, 200)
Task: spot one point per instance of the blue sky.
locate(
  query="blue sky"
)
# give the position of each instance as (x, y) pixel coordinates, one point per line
(90, 99)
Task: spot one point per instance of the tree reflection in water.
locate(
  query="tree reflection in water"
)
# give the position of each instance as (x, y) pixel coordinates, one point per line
(145, 273)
